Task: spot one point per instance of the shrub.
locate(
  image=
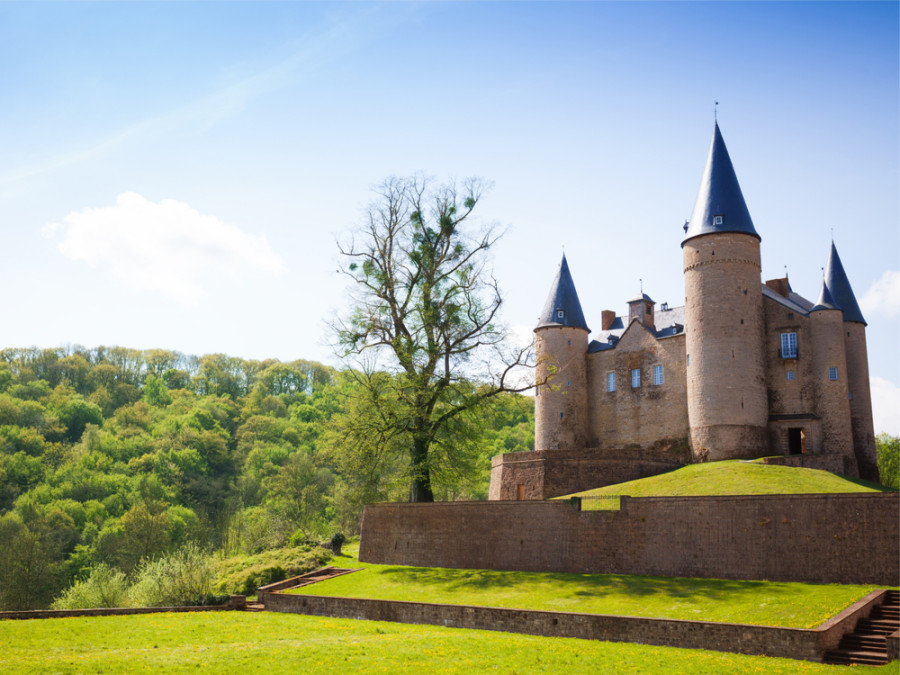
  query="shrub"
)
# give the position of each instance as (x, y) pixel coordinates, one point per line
(105, 587)
(888, 448)
(243, 574)
(184, 577)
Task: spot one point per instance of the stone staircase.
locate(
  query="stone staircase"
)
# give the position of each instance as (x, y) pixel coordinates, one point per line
(868, 644)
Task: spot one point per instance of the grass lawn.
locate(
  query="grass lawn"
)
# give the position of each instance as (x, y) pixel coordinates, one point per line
(761, 603)
(736, 477)
(270, 643)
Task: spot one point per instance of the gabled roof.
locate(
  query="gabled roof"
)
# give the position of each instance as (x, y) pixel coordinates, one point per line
(839, 287)
(563, 297)
(719, 196)
(825, 300)
(669, 322)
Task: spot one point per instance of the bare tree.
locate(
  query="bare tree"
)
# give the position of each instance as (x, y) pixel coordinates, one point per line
(425, 306)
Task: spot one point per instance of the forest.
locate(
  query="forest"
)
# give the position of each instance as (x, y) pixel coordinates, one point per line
(111, 457)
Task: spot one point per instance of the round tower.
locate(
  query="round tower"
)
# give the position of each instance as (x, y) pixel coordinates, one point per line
(859, 394)
(561, 336)
(830, 373)
(724, 322)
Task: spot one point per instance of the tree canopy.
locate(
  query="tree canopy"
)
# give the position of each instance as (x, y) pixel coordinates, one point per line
(425, 308)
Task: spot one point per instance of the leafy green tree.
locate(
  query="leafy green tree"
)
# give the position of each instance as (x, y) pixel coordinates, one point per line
(426, 307)
(888, 449)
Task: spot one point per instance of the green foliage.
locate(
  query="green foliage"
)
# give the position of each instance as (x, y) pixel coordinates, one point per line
(243, 574)
(888, 448)
(183, 577)
(118, 456)
(104, 587)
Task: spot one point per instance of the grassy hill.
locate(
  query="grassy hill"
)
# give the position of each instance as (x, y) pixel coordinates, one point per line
(736, 477)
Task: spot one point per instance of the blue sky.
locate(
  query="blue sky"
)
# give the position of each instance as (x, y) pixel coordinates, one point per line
(175, 174)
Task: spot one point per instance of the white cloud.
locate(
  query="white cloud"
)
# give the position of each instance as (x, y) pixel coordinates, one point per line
(169, 248)
(885, 406)
(883, 296)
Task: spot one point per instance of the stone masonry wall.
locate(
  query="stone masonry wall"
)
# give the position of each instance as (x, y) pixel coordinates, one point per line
(726, 379)
(648, 416)
(560, 404)
(836, 538)
(861, 401)
(544, 475)
(808, 644)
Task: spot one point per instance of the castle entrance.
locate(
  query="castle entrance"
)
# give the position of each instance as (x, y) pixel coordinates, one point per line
(796, 441)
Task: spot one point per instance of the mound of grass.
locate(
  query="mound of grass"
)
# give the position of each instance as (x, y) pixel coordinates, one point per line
(736, 477)
(243, 574)
(270, 643)
(762, 603)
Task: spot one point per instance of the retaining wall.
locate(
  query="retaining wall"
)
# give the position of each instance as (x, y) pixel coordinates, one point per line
(835, 538)
(794, 643)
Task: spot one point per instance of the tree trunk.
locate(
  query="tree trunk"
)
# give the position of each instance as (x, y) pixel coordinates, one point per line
(420, 486)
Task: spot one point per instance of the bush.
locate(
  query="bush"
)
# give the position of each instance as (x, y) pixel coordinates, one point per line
(105, 587)
(888, 448)
(243, 574)
(184, 577)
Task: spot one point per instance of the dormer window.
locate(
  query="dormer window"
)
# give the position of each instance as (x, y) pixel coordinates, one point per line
(717, 220)
(560, 314)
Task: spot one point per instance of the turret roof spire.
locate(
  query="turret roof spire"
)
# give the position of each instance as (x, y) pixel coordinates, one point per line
(839, 287)
(562, 307)
(825, 300)
(720, 205)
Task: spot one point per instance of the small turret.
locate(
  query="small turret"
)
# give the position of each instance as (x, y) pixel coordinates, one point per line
(830, 379)
(724, 324)
(561, 347)
(854, 334)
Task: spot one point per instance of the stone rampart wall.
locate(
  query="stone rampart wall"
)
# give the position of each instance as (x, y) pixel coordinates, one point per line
(836, 538)
(794, 643)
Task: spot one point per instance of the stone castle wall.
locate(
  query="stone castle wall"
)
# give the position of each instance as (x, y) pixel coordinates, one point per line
(560, 404)
(726, 377)
(646, 417)
(863, 427)
(835, 538)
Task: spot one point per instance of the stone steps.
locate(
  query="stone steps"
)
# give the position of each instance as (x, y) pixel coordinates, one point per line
(867, 645)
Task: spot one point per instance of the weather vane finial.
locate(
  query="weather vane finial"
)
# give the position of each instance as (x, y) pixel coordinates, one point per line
(641, 281)
(716, 112)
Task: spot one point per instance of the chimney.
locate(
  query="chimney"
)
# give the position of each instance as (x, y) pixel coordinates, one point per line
(780, 286)
(607, 317)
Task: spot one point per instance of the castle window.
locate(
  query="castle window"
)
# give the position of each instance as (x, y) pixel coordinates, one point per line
(790, 316)
(635, 378)
(610, 382)
(717, 220)
(789, 345)
(657, 375)
(560, 314)
(790, 374)
(561, 415)
(832, 373)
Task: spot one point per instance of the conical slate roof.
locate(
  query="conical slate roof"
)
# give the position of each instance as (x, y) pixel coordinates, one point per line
(563, 298)
(825, 300)
(719, 197)
(839, 287)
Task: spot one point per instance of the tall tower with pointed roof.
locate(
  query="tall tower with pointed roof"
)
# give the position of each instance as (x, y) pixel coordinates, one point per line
(725, 359)
(838, 287)
(561, 416)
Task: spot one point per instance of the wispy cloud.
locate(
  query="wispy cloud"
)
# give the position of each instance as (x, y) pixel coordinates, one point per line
(169, 248)
(305, 58)
(884, 295)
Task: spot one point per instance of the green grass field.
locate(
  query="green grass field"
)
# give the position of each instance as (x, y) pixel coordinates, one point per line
(270, 643)
(736, 477)
(762, 603)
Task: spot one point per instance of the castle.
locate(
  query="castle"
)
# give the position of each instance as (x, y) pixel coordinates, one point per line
(742, 370)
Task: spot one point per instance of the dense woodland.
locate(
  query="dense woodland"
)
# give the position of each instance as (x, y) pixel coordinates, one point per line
(111, 456)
